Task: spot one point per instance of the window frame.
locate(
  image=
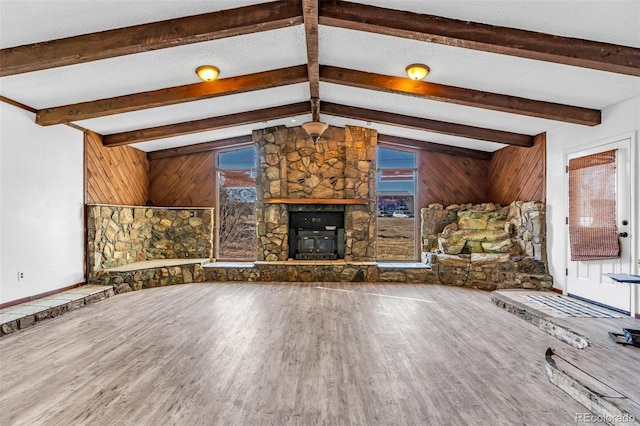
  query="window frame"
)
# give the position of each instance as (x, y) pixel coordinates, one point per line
(217, 169)
(416, 200)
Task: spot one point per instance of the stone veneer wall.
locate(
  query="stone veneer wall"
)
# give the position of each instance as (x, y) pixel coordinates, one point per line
(487, 246)
(517, 229)
(149, 277)
(295, 272)
(340, 166)
(121, 235)
(480, 271)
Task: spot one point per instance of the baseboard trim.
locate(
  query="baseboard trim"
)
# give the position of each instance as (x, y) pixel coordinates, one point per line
(556, 290)
(39, 296)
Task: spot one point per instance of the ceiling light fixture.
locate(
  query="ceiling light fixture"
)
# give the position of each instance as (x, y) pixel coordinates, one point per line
(207, 72)
(315, 128)
(417, 71)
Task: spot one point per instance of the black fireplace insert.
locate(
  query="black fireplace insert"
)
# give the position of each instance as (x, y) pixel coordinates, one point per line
(316, 235)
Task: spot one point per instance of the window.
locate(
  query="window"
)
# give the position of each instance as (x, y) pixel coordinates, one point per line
(396, 205)
(236, 210)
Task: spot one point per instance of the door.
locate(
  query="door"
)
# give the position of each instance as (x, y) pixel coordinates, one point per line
(584, 277)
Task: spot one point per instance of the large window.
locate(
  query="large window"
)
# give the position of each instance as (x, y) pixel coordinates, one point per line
(396, 205)
(236, 210)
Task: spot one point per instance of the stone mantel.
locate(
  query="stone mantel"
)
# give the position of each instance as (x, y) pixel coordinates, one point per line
(352, 201)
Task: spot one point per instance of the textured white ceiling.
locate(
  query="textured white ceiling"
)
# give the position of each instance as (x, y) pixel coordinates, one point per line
(157, 69)
(24, 22)
(224, 105)
(476, 70)
(31, 21)
(611, 21)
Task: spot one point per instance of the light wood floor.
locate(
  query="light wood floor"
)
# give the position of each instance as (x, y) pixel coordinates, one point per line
(270, 354)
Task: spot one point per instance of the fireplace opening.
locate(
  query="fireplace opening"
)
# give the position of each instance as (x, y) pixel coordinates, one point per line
(316, 235)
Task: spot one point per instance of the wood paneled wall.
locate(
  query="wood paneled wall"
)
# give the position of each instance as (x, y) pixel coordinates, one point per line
(183, 181)
(517, 173)
(449, 179)
(118, 175)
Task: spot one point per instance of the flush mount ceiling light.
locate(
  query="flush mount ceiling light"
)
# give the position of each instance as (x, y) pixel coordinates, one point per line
(417, 71)
(207, 72)
(315, 128)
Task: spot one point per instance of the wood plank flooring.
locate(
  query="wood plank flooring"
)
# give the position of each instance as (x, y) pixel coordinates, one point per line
(283, 354)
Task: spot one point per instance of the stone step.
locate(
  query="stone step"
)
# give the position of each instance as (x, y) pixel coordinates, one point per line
(24, 315)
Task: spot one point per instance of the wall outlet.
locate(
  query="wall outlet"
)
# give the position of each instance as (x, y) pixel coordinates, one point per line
(186, 254)
(20, 275)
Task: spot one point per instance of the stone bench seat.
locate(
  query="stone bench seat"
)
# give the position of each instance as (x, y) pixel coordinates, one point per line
(156, 263)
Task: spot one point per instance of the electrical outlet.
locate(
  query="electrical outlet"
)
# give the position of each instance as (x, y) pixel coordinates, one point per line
(186, 254)
(20, 275)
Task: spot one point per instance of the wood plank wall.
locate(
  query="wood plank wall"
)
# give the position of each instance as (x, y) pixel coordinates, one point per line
(448, 179)
(517, 173)
(183, 181)
(118, 175)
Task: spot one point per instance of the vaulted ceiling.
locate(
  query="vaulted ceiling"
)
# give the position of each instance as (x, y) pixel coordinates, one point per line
(501, 71)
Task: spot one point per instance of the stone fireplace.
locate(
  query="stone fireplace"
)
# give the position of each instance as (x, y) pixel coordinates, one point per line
(316, 201)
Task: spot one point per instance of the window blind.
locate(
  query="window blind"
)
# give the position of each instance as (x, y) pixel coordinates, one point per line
(593, 233)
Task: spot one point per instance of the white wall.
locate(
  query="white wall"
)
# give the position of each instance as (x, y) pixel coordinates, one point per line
(619, 119)
(41, 205)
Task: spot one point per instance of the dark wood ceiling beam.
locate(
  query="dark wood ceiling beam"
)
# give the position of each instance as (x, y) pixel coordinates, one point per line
(172, 95)
(152, 36)
(484, 37)
(200, 147)
(207, 124)
(310, 17)
(460, 96)
(433, 147)
(428, 125)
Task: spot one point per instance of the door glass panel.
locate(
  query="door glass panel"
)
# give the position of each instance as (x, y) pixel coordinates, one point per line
(308, 244)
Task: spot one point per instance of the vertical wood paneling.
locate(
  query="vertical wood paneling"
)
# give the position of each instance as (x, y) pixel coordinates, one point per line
(117, 175)
(449, 179)
(183, 181)
(517, 173)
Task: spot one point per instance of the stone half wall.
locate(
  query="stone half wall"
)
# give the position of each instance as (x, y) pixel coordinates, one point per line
(121, 235)
(341, 166)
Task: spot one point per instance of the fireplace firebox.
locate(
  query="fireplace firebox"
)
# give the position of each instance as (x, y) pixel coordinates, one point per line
(316, 235)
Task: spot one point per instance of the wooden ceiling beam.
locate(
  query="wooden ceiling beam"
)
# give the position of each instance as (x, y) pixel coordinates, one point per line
(310, 17)
(207, 124)
(200, 147)
(152, 36)
(428, 125)
(172, 95)
(488, 38)
(433, 147)
(460, 96)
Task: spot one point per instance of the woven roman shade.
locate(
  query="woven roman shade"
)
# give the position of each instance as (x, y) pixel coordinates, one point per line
(593, 233)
